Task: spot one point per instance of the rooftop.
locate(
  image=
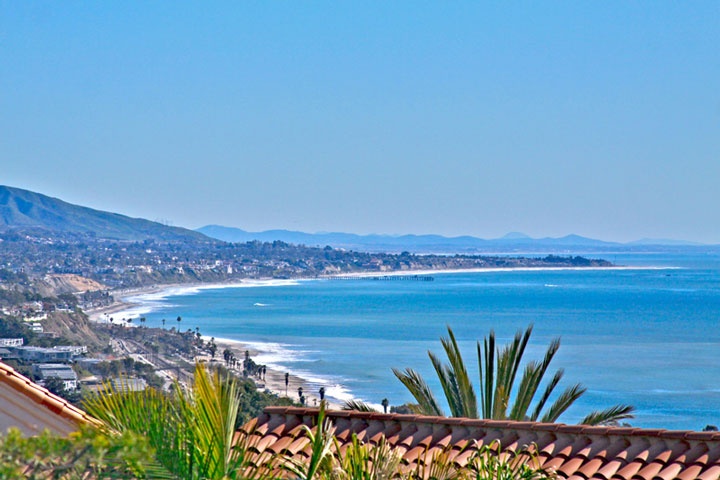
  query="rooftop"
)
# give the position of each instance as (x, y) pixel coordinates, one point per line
(572, 451)
(32, 408)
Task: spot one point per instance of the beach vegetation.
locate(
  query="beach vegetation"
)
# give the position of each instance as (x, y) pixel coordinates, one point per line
(357, 405)
(191, 433)
(85, 454)
(502, 395)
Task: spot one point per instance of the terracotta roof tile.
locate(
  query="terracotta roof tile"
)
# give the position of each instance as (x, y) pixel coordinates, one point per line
(691, 472)
(670, 471)
(573, 451)
(32, 408)
(712, 472)
(650, 470)
(590, 467)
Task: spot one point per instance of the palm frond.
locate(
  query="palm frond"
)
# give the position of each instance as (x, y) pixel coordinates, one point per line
(357, 405)
(322, 442)
(192, 432)
(609, 416)
(448, 384)
(530, 382)
(213, 408)
(563, 402)
(437, 466)
(420, 390)
(490, 461)
(361, 461)
(487, 383)
(498, 370)
(466, 398)
(546, 395)
(509, 359)
(149, 413)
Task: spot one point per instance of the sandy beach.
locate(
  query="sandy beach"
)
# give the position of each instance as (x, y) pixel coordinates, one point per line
(125, 307)
(274, 380)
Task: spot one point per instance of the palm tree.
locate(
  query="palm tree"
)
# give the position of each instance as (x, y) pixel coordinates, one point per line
(227, 354)
(192, 432)
(498, 372)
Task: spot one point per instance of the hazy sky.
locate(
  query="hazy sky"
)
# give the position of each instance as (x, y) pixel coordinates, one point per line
(596, 118)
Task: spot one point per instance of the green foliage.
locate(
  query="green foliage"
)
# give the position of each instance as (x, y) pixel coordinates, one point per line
(128, 367)
(11, 327)
(84, 455)
(498, 369)
(192, 432)
(191, 436)
(321, 456)
(253, 402)
(362, 461)
(357, 405)
(438, 466)
(489, 462)
(12, 277)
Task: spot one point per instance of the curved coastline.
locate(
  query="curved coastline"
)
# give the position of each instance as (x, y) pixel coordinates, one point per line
(135, 303)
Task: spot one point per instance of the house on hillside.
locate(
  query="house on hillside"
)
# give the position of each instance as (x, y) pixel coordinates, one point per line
(58, 370)
(46, 355)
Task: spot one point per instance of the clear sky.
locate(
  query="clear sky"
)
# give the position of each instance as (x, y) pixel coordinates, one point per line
(549, 118)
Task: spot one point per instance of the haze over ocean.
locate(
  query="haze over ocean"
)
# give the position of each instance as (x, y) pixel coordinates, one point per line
(648, 337)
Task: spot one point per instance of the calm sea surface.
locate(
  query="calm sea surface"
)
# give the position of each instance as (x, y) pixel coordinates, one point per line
(647, 337)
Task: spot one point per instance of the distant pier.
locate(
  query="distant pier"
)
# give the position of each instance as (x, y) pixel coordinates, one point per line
(386, 278)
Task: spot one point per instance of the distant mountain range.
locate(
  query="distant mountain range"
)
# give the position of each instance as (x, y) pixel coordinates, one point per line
(23, 210)
(512, 242)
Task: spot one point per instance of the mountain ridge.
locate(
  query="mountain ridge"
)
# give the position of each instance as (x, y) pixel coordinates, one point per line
(26, 210)
(430, 242)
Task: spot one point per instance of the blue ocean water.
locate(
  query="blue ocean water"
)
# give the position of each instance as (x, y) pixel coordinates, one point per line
(647, 336)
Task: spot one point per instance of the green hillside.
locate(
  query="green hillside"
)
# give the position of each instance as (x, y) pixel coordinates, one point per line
(25, 210)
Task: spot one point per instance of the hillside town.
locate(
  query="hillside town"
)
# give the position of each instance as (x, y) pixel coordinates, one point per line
(49, 282)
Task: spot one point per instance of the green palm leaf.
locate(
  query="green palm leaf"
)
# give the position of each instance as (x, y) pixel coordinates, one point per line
(546, 395)
(609, 415)
(563, 402)
(419, 389)
(487, 387)
(466, 399)
(192, 432)
(357, 405)
(508, 363)
(530, 382)
(498, 370)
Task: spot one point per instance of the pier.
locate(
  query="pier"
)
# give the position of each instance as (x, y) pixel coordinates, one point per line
(410, 278)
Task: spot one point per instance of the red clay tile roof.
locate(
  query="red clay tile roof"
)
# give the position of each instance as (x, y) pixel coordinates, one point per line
(572, 451)
(32, 408)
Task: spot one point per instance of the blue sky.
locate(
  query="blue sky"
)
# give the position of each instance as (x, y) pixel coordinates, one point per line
(595, 118)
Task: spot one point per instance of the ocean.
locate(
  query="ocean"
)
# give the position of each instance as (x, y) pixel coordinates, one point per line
(646, 336)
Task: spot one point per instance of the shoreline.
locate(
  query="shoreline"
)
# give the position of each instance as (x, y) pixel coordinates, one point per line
(274, 380)
(123, 302)
(127, 305)
(449, 271)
